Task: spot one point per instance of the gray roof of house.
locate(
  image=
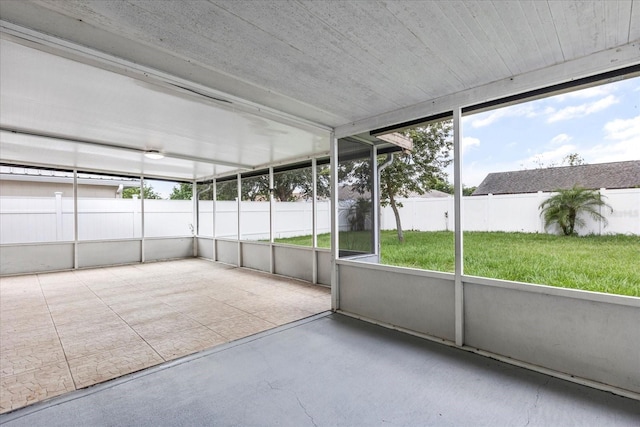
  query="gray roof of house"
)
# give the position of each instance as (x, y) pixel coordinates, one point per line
(603, 175)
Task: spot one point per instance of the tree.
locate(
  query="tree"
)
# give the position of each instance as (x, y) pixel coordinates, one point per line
(415, 171)
(288, 186)
(565, 208)
(573, 159)
(182, 191)
(446, 187)
(149, 192)
(468, 191)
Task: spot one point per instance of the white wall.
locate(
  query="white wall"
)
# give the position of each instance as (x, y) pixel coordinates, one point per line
(512, 212)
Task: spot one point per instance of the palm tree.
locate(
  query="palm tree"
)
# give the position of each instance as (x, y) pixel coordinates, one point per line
(565, 208)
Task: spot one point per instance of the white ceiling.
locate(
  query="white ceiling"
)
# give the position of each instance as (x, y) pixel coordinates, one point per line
(335, 64)
(88, 110)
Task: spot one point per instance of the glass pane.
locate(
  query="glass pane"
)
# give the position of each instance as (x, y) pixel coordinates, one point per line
(355, 211)
(227, 209)
(323, 206)
(109, 207)
(557, 191)
(255, 212)
(36, 205)
(293, 192)
(205, 209)
(168, 208)
(417, 201)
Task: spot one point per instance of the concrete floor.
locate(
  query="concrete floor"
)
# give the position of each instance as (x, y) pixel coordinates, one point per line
(333, 370)
(61, 332)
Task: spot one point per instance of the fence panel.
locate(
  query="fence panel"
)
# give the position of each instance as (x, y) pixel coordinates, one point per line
(511, 213)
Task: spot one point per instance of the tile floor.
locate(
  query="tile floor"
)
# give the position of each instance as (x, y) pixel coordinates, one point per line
(64, 331)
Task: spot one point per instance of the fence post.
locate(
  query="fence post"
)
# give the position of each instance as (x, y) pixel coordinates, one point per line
(487, 208)
(58, 195)
(540, 220)
(602, 191)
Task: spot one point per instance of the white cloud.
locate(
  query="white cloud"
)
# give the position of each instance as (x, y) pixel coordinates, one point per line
(582, 110)
(624, 142)
(489, 117)
(468, 142)
(623, 129)
(560, 139)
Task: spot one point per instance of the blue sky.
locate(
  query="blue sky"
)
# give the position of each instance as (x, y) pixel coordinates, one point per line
(601, 124)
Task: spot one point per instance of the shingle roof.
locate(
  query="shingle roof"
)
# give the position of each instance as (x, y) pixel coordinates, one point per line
(603, 175)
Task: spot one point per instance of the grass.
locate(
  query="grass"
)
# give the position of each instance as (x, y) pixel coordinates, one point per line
(595, 263)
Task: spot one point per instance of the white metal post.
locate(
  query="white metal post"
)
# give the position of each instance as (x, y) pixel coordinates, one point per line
(142, 215)
(314, 220)
(239, 200)
(214, 191)
(375, 202)
(195, 221)
(335, 251)
(272, 205)
(75, 219)
(459, 265)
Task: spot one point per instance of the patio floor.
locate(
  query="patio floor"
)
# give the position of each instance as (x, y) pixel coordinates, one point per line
(65, 331)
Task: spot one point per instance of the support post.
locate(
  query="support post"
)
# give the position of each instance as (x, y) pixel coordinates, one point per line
(375, 203)
(335, 251)
(214, 191)
(314, 221)
(459, 265)
(272, 210)
(75, 219)
(195, 218)
(142, 216)
(238, 204)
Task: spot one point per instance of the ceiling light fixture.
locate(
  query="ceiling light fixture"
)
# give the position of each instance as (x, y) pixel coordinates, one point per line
(153, 154)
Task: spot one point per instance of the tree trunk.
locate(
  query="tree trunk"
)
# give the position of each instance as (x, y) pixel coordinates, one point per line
(392, 202)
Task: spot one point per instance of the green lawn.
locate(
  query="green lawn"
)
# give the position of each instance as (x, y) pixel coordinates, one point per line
(596, 263)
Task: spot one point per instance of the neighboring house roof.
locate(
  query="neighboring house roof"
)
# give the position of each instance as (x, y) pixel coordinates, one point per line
(603, 175)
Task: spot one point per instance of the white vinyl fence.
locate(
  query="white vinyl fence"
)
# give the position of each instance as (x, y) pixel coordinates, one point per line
(290, 219)
(511, 213)
(50, 219)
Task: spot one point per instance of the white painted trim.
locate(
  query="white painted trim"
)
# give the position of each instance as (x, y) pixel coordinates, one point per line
(395, 269)
(555, 291)
(596, 63)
